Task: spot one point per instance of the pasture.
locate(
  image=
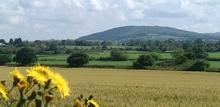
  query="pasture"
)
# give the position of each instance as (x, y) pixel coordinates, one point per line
(214, 54)
(60, 59)
(140, 88)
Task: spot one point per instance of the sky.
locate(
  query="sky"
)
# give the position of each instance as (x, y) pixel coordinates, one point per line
(70, 19)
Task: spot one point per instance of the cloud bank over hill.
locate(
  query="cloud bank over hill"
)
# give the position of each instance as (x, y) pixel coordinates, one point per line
(61, 19)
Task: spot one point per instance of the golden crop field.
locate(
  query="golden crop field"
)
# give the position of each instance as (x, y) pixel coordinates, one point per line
(140, 88)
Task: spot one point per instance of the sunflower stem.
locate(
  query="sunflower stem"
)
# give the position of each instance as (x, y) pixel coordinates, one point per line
(48, 103)
(22, 99)
(39, 102)
(29, 89)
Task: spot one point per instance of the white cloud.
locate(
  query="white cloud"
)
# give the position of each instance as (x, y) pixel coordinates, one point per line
(97, 4)
(39, 28)
(78, 4)
(138, 14)
(37, 3)
(16, 19)
(123, 17)
(79, 17)
(130, 4)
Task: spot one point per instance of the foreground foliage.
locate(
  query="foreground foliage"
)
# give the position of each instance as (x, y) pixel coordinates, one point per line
(38, 88)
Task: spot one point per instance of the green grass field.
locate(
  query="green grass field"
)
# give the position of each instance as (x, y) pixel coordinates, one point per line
(214, 64)
(90, 47)
(114, 64)
(214, 54)
(78, 47)
(140, 88)
(131, 55)
(60, 59)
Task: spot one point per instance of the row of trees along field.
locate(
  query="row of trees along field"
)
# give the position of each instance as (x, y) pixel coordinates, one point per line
(187, 55)
(61, 46)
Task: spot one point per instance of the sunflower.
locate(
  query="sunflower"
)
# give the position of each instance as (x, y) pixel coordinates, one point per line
(3, 92)
(61, 84)
(44, 70)
(19, 78)
(41, 74)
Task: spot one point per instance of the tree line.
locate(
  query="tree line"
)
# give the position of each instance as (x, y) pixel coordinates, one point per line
(187, 55)
(59, 46)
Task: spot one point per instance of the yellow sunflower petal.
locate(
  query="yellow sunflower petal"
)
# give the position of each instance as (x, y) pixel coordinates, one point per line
(44, 70)
(41, 74)
(61, 84)
(21, 79)
(4, 92)
(39, 78)
(17, 74)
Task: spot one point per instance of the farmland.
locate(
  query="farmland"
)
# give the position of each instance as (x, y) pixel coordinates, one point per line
(109, 53)
(214, 54)
(60, 59)
(56, 52)
(140, 88)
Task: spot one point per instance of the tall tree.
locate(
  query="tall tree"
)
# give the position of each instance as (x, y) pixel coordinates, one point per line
(25, 56)
(200, 49)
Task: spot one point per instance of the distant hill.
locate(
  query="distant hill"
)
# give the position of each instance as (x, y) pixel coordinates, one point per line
(214, 34)
(147, 33)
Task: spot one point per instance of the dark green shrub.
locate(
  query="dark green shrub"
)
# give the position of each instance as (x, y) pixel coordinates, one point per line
(155, 55)
(199, 65)
(213, 59)
(104, 58)
(199, 49)
(190, 55)
(25, 56)
(137, 65)
(77, 59)
(165, 63)
(185, 66)
(212, 69)
(145, 60)
(181, 60)
(5, 59)
(69, 51)
(177, 53)
(117, 55)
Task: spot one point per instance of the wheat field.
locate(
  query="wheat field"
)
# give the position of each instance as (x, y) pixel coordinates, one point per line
(140, 88)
